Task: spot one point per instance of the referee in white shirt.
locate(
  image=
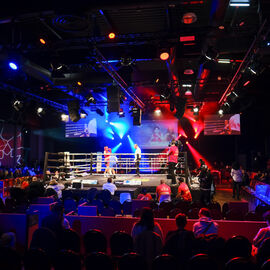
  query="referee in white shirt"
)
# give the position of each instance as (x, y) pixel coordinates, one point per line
(137, 158)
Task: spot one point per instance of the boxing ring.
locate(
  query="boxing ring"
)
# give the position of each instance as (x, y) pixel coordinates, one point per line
(92, 165)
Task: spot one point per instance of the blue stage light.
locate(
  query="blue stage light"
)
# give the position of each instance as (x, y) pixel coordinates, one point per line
(131, 143)
(120, 128)
(116, 147)
(13, 66)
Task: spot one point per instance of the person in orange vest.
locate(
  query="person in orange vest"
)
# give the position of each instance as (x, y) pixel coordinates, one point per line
(183, 191)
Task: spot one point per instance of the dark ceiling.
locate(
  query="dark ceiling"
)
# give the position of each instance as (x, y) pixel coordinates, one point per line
(76, 37)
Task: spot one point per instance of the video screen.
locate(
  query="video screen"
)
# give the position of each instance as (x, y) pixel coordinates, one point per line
(155, 134)
(86, 127)
(228, 124)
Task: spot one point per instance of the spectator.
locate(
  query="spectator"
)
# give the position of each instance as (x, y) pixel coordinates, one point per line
(263, 233)
(179, 243)
(183, 191)
(57, 187)
(236, 174)
(8, 240)
(205, 180)
(162, 189)
(110, 186)
(144, 196)
(55, 221)
(146, 223)
(36, 189)
(205, 226)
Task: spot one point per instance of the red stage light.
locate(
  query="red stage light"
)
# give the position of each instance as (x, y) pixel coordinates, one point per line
(188, 71)
(187, 38)
(111, 35)
(42, 41)
(187, 142)
(246, 83)
(164, 56)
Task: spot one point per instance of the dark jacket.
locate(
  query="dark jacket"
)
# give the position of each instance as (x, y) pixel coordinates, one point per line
(205, 179)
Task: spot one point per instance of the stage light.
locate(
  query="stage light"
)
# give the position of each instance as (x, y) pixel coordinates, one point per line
(42, 41)
(221, 27)
(90, 99)
(111, 35)
(13, 66)
(40, 111)
(220, 112)
(239, 4)
(211, 53)
(121, 113)
(187, 142)
(17, 105)
(83, 114)
(79, 83)
(224, 61)
(196, 109)
(157, 111)
(164, 55)
(64, 117)
(188, 93)
(246, 83)
(106, 121)
(189, 18)
(116, 147)
(188, 71)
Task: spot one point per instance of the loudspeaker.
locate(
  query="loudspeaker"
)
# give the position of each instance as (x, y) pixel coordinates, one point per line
(113, 96)
(137, 116)
(180, 105)
(73, 110)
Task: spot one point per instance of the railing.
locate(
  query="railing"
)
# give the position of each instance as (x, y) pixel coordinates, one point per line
(95, 163)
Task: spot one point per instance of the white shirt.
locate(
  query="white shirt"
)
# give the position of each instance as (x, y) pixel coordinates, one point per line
(110, 186)
(137, 153)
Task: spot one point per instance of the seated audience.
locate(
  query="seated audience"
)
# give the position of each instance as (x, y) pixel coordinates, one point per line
(144, 196)
(183, 191)
(8, 239)
(110, 186)
(162, 189)
(146, 223)
(205, 226)
(263, 233)
(57, 187)
(179, 243)
(55, 221)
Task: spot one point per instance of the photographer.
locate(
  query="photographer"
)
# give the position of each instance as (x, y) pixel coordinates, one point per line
(172, 160)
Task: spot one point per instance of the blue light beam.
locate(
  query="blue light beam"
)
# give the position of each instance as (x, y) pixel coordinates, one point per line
(116, 147)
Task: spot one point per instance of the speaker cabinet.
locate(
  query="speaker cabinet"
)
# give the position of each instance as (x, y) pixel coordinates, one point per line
(73, 110)
(113, 96)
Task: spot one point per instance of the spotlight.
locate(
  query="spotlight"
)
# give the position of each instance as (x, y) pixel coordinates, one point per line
(111, 35)
(164, 54)
(90, 99)
(188, 71)
(79, 83)
(189, 18)
(196, 109)
(121, 113)
(211, 53)
(13, 66)
(220, 112)
(157, 111)
(188, 93)
(40, 111)
(18, 105)
(42, 41)
(64, 117)
(83, 114)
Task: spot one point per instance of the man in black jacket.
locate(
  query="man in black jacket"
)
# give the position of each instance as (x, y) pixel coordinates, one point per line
(205, 179)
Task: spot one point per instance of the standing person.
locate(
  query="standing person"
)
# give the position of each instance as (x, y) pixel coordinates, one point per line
(107, 153)
(205, 180)
(137, 159)
(112, 164)
(172, 160)
(237, 176)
